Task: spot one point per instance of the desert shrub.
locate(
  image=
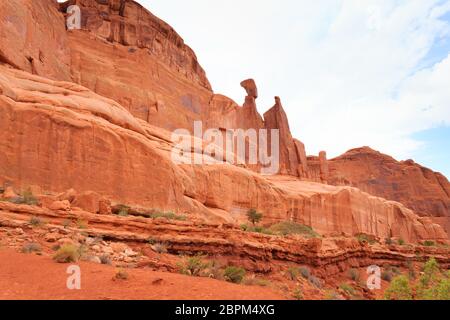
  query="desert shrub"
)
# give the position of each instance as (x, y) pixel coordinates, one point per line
(121, 275)
(36, 222)
(167, 215)
(297, 294)
(332, 295)
(389, 241)
(67, 253)
(286, 228)
(411, 271)
(234, 274)
(354, 275)
(399, 289)
(29, 198)
(215, 270)
(292, 273)
(193, 266)
(429, 243)
(401, 242)
(159, 247)
(253, 216)
(244, 227)
(348, 289)
(387, 275)
(253, 281)
(443, 289)
(105, 259)
(433, 284)
(305, 272)
(364, 238)
(315, 281)
(31, 247)
(121, 210)
(261, 230)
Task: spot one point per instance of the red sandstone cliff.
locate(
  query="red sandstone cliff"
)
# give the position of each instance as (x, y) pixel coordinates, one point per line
(419, 188)
(128, 77)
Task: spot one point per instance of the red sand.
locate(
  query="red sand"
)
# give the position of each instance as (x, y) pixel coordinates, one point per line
(27, 276)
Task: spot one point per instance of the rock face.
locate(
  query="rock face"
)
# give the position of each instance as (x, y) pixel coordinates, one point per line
(33, 38)
(59, 135)
(420, 189)
(290, 159)
(107, 133)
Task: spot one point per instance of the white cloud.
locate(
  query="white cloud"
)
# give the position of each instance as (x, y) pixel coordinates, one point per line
(347, 71)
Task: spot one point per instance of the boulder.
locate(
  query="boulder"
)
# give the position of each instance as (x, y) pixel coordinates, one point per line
(60, 205)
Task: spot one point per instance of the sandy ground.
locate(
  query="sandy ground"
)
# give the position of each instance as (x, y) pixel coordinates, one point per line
(28, 276)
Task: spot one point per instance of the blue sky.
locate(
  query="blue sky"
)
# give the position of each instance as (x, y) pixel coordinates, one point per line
(349, 72)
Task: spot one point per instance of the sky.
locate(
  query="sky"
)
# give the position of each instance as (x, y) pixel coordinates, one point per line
(350, 73)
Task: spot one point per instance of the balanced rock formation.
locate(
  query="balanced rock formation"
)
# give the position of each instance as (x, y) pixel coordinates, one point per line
(59, 135)
(107, 133)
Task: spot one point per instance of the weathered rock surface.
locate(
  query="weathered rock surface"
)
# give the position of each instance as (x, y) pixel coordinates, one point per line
(290, 156)
(60, 136)
(419, 188)
(33, 38)
(257, 252)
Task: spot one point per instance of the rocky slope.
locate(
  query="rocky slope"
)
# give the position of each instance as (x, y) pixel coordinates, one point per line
(85, 126)
(418, 188)
(58, 135)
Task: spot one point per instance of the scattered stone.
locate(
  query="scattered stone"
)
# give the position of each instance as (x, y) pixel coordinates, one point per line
(51, 237)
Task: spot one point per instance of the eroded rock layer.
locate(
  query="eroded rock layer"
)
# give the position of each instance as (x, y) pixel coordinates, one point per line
(419, 188)
(59, 135)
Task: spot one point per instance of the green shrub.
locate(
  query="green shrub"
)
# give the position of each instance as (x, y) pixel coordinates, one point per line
(365, 238)
(234, 274)
(348, 289)
(401, 242)
(399, 289)
(29, 198)
(67, 253)
(193, 266)
(292, 273)
(332, 295)
(31, 248)
(429, 243)
(411, 271)
(253, 216)
(297, 294)
(167, 215)
(122, 210)
(433, 284)
(354, 275)
(244, 227)
(286, 228)
(252, 281)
